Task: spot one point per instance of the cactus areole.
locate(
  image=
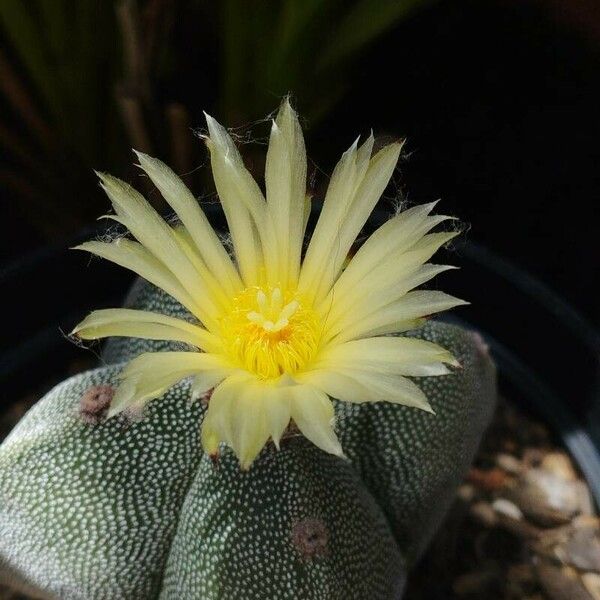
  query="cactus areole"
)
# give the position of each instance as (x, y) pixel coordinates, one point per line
(281, 457)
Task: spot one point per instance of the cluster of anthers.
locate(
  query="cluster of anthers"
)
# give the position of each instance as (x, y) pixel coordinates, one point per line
(279, 329)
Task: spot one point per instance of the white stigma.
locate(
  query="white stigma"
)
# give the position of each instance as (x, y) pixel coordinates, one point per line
(272, 316)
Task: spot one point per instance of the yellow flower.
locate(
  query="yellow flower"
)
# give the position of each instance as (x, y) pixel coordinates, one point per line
(279, 331)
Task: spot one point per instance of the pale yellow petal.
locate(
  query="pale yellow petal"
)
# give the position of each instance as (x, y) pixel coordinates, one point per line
(277, 411)
(313, 413)
(243, 204)
(367, 386)
(135, 257)
(386, 282)
(397, 234)
(425, 273)
(413, 305)
(148, 227)
(212, 283)
(146, 325)
(285, 179)
(338, 226)
(376, 179)
(380, 170)
(393, 355)
(209, 437)
(218, 417)
(399, 240)
(336, 384)
(340, 193)
(125, 397)
(207, 380)
(236, 415)
(179, 197)
(396, 327)
(249, 425)
(149, 375)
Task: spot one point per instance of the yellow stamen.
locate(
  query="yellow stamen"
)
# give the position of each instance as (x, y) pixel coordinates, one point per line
(270, 332)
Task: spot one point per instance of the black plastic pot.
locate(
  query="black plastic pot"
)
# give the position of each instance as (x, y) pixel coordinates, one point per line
(547, 354)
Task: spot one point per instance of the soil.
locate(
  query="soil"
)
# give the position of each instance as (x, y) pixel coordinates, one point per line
(523, 524)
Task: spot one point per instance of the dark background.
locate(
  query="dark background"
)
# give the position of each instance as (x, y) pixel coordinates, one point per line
(499, 102)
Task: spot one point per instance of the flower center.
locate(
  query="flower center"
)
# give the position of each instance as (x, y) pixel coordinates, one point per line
(270, 332)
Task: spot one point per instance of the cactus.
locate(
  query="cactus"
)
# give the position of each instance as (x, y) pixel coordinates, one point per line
(131, 508)
(267, 445)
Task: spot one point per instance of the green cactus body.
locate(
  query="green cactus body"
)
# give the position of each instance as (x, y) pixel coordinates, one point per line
(130, 508)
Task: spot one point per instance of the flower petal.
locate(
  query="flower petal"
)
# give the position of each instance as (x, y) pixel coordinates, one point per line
(144, 324)
(285, 179)
(387, 282)
(340, 193)
(393, 355)
(389, 319)
(136, 258)
(236, 415)
(149, 375)
(153, 233)
(313, 413)
(212, 284)
(377, 177)
(277, 411)
(398, 244)
(179, 197)
(207, 380)
(249, 427)
(356, 185)
(367, 386)
(243, 204)
(209, 438)
(218, 417)
(396, 235)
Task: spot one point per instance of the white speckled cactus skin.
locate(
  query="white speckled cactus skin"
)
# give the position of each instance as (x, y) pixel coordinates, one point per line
(131, 509)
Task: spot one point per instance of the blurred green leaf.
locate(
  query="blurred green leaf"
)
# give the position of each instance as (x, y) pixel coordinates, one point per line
(25, 32)
(299, 46)
(88, 79)
(366, 21)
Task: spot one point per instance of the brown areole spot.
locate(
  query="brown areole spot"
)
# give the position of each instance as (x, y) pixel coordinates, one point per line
(310, 537)
(94, 403)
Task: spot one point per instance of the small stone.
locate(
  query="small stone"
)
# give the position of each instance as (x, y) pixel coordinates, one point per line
(545, 498)
(310, 537)
(94, 403)
(507, 508)
(508, 463)
(484, 514)
(490, 480)
(561, 583)
(466, 492)
(591, 581)
(586, 521)
(559, 464)
(551, 542)
(583, 549)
